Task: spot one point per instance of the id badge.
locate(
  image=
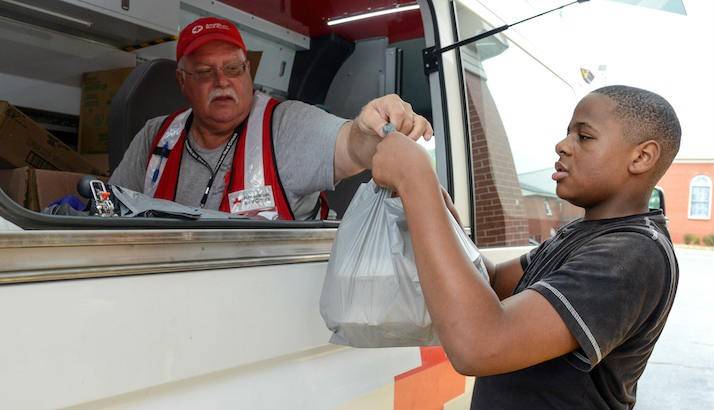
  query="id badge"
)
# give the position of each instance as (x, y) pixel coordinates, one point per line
(252, 200)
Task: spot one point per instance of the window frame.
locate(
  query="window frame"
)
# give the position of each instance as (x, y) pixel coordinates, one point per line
(548, 209)
(693, 184)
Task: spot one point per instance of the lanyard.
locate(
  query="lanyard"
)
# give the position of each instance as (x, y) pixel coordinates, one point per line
(192, 152)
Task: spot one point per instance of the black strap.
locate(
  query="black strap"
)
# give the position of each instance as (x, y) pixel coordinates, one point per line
(162, 151)
(192, 152)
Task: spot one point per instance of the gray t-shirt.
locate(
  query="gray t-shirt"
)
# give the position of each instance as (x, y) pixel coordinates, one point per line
(613, 288)
(304, 139)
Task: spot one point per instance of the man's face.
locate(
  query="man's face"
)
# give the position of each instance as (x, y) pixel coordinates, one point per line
(217, 99)
(594, 156)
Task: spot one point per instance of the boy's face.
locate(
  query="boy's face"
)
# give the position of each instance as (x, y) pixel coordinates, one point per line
(593, 157)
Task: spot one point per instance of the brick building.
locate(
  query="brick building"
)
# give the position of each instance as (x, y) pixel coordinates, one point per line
(687, 187)
(545, 212)
(500, 212)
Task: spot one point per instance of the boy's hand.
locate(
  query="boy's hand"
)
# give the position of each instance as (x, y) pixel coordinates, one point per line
(398, 161)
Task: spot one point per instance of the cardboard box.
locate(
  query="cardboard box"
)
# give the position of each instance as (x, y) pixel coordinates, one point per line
(49, 186)
(254, 59)
(98, 89)
(35, 189)
(99, 161)
(24, 143)
(14, 183)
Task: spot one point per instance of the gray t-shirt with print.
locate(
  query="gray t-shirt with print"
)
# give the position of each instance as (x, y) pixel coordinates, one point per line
(613, 287)
(304, 138)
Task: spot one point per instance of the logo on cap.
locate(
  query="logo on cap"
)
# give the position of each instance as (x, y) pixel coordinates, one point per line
(204, 30)
(217, 25)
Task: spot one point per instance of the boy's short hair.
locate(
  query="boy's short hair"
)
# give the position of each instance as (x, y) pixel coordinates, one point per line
(646, 116)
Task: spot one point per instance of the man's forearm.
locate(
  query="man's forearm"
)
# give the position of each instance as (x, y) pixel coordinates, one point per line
(361, 147)
(353, 151)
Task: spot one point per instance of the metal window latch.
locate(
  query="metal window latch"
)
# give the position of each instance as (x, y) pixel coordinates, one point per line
(102, 203)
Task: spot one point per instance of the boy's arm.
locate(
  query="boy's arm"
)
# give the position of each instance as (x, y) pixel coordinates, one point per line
(503, 277)
(481, 335)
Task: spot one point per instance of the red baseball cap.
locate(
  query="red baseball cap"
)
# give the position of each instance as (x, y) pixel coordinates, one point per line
(205, 30)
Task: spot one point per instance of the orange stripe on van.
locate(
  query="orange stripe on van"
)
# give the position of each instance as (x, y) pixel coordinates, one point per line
(429, 386)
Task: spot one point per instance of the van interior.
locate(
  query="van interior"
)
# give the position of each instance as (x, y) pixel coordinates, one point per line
(91, 72)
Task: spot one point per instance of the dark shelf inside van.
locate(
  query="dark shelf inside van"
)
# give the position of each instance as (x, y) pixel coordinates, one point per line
(63, 126)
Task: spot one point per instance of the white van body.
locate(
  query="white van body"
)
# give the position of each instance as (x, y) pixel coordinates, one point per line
(166, 318)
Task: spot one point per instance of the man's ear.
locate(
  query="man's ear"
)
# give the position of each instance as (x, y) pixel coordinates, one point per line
(645, 157)
(180, 79)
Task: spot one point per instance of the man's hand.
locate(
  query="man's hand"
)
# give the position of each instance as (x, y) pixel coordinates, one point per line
(392, 109)
(357, 140)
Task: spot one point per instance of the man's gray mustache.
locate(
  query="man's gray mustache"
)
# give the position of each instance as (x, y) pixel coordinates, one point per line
(222, 92)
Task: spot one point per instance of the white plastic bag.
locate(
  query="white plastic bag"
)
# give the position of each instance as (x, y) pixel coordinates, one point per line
(371, 296)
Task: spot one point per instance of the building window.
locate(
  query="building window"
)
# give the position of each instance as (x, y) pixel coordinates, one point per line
(700, 197)
(548, 211)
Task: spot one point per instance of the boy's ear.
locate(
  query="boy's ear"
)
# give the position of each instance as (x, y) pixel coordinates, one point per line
(645, 157)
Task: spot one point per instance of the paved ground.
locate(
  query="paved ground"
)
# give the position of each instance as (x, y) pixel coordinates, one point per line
(680, 373)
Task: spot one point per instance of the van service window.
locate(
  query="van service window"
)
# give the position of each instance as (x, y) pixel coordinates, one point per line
(95, 106)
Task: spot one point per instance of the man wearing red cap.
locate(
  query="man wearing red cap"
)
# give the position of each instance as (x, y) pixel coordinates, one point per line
(242, 151)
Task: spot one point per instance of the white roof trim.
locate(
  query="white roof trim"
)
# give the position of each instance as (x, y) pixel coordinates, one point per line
(693, 161)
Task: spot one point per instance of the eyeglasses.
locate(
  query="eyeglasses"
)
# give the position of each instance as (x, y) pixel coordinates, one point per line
(230, 70)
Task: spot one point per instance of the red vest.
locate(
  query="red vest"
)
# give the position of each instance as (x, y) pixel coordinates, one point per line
(250, 169)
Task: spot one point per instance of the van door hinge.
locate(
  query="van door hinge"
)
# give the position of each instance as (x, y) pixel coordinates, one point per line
(432, 59)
